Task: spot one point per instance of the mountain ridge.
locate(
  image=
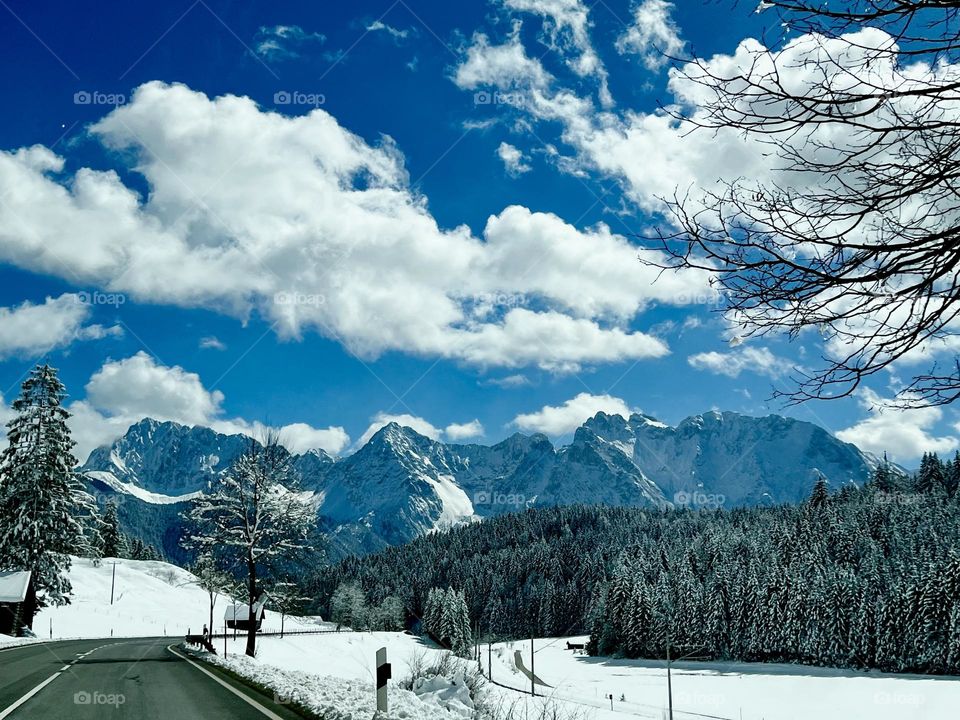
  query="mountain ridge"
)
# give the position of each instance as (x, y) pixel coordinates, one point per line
(401, 484)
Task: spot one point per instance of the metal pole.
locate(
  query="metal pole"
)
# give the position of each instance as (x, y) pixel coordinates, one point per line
(489, 660)
(669, 681)
(224, 638)
(113, 582)
(533, 687)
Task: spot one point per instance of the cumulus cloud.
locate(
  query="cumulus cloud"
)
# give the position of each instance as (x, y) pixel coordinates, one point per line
(464, 431)
(125, 391)
(564, 419)
(750, 359)
(31, 329)
(317, 230)
(513, 159)
(566, 26)
(904, 434)
(653, 35)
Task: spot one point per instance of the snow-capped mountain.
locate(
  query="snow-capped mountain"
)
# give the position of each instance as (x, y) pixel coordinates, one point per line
(401, 484)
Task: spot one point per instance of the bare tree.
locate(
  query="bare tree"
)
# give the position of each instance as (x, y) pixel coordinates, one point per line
(855, 231)
(214, 580)
(254, 515)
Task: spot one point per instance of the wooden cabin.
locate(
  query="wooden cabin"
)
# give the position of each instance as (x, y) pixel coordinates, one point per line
(18, 602)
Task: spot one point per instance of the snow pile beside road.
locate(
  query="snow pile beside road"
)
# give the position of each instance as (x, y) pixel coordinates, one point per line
(449, 693)
(333, 698)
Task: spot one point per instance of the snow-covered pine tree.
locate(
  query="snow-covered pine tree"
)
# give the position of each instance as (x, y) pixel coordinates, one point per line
(112, 541)
(44, 512)
(254, 515)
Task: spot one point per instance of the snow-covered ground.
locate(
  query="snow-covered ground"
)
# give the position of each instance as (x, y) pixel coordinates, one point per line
(752, 691)
(581, 684)
(150, 598)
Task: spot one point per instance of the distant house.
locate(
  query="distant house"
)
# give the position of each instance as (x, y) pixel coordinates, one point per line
(237, 617)
(18, 601)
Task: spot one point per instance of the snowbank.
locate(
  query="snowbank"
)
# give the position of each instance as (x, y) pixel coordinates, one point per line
(337, 698)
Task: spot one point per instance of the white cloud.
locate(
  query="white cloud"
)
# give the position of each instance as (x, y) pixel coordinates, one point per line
(513, 159)
(567, 24)
(654, 35)
(318, 230)
(284, 41)
(139, 387)
(564, 419)
(212, 343)
(904, 434)
(464, 431)
(510, 381)
(122, 392)
(29, 329)
(751, 359)
(395, 33)
(404, 419)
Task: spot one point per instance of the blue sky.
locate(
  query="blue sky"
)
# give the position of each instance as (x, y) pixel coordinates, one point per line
(319, 257)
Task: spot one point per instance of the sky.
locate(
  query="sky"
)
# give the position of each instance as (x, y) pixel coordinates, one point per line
(325, 216)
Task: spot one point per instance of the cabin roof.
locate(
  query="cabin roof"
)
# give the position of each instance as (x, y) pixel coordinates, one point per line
(14, 585)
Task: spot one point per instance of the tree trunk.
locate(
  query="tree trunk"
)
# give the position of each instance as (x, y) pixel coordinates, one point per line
(283, 616)
(252, 630)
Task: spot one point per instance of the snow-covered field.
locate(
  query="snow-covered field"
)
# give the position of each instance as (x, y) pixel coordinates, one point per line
(151, 598)
(581, 684)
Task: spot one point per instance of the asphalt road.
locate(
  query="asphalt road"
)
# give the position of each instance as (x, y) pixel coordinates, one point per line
(142, 678)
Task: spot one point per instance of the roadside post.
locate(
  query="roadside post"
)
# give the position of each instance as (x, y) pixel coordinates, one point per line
(384, 673)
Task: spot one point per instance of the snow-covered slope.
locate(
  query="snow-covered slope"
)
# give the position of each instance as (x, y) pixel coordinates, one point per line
(150, 599)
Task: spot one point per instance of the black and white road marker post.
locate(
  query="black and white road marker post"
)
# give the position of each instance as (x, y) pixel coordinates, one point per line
(384, 672)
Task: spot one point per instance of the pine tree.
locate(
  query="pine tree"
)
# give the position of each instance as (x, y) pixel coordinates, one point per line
(930, 478)
(821, 493)
(44, 513)
(112, 541)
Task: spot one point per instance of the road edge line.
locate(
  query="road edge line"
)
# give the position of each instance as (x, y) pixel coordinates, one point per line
(21, 701)
(249, 700)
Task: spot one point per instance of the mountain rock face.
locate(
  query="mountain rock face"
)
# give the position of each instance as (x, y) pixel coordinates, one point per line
(400, 484)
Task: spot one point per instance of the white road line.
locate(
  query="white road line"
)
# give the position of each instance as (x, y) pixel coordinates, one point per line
(21, 701)
(250, 701)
